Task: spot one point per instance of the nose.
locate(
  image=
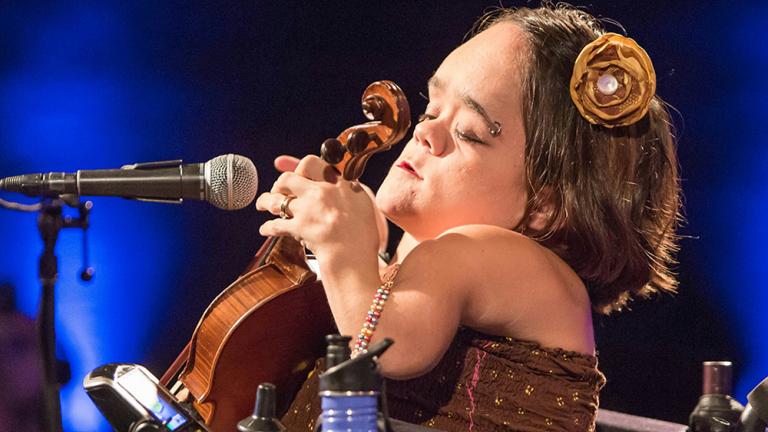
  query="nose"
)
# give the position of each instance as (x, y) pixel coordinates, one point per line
(431, 135)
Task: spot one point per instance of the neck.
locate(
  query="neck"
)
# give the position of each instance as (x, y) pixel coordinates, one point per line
(407, 243)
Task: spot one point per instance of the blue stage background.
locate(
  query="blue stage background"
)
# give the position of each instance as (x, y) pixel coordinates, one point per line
(97, 85)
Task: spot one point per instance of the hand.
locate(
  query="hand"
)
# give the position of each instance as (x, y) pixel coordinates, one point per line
(286, 163)
(333, 217)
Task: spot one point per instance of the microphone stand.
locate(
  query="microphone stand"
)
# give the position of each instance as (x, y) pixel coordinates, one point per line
(49, 222)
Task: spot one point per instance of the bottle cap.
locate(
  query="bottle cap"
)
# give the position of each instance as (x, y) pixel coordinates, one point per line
(717, 378)
(337, 350)
(263, 418)
(356, 374)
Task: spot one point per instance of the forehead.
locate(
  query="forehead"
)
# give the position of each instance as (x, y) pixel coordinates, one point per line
(488, 66)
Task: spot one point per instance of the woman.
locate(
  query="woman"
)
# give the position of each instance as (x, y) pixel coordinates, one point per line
(540, 184)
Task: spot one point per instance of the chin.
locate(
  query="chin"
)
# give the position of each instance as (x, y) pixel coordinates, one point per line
(395, 213)
(394, 200)
(399, 212)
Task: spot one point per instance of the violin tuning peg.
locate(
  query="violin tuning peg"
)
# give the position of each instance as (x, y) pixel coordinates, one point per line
(332, 151)
(357, 141)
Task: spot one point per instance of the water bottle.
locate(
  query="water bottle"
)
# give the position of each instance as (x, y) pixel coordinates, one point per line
(350, 388)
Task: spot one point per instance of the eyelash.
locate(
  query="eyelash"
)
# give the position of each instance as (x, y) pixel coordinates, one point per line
(425, 116)
(463, 136)
(469, 138)
(459, 134)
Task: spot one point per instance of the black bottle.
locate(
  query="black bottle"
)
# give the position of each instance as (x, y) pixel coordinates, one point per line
(716, 411)
(263, 418)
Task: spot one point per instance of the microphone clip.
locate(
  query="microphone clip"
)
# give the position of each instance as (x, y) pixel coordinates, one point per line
(156, 165)
(153, 165)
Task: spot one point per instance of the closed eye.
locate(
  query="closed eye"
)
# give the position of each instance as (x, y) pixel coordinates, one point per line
(468, 137)
(460, 135)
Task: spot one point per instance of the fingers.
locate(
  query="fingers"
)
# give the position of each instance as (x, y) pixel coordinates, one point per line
(285, 163)
(277, 204)
(314, 168)
(311, 167)
(301, 183)
(281, 205)
(276, 228)
(291, 184)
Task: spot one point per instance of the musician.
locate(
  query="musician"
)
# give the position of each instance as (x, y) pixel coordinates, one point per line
(540, 184)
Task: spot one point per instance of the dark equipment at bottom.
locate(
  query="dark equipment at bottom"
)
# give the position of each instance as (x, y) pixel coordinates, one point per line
(131, 400)
(264, 417)
(755, 415)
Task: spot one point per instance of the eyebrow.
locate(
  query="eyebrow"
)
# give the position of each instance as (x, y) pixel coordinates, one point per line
(493, 126)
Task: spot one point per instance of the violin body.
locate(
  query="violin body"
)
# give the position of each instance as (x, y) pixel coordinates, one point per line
(270, 324)
(267, 326)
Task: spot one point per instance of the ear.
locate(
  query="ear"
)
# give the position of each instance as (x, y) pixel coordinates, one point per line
(543, 211)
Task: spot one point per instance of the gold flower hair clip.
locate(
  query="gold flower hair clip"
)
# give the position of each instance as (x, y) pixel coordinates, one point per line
(613, 81)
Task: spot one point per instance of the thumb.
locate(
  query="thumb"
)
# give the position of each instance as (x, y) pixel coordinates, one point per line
(285, 163)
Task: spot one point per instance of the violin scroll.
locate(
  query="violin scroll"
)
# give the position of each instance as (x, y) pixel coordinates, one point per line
(386, 106)
(373, 107)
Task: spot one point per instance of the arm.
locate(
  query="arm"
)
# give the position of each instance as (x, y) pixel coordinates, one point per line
(422, 313)
(336, 220)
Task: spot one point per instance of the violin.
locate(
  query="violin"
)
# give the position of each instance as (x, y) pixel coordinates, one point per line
(269, 325)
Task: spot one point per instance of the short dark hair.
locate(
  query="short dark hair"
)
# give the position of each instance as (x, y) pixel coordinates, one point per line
(615, 191)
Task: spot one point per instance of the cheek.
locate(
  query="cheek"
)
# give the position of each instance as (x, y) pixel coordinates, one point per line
(501, 191)
(384, 195)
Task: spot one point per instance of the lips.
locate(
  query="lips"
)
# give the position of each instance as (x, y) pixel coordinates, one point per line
(406, 166)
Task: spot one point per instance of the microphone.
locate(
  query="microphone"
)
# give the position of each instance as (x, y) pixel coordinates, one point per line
(229, 182)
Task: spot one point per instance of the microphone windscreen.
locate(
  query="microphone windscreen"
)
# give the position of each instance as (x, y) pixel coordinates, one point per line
(231, 181)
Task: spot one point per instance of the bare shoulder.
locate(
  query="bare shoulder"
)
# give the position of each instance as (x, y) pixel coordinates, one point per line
(512, 285)
(474, 254)
(486, 247)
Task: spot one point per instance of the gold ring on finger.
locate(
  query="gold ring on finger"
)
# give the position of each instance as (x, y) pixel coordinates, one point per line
(284, 212)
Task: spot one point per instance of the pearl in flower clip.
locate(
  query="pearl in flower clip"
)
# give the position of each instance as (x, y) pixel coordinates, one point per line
(613, 81)
(607, 84)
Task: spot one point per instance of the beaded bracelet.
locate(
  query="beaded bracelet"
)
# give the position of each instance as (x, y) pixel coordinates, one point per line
(372, 319)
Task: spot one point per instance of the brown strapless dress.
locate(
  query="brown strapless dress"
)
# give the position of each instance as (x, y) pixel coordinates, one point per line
(486, 383)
